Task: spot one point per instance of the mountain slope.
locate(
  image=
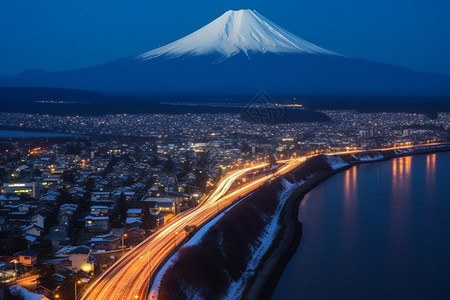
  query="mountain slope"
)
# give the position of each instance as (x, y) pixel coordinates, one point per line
(242, 31)
(241, 52)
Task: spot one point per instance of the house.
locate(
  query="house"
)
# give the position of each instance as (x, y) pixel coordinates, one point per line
(57, 240)
(18, 218)
(58, 230)
(65, 219)
(168, 204)
(58, 236)
(134, 212)
(39, 219)
(131, 222)
(49, 198)
(4, 200)
(100, 196)
(27, 257)
(33, 230)
(99, 210)
(22, 208)
(8, 269)
(106, 242)
(68, 208)
(129, 195)
(81, 259)
(135, 235)
(4, 217)
(96, 223)
(64, 252)
(31, 239)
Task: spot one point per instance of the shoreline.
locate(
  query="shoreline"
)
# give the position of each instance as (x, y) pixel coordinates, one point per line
(272, 266)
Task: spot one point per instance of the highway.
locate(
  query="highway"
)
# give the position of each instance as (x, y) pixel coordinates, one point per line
(129, 277)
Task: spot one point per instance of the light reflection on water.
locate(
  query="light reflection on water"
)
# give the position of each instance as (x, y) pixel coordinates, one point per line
(376, 231)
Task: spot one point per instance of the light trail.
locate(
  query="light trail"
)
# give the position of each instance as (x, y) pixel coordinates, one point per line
(129, 278)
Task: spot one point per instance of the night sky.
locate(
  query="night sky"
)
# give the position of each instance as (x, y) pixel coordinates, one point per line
(59, 35)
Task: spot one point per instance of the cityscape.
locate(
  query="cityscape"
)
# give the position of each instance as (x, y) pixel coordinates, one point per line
(222, 166)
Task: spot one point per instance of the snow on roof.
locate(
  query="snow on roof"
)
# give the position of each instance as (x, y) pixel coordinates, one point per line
(34, 226)
(130, 220)
(30, 238)
(90, 217)
(27, 252)
(134, 211)
(80, 250)
(94, 207)
(64, 250)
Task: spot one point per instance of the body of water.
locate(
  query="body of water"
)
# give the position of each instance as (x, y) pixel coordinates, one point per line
(30, 134)
(375, 231)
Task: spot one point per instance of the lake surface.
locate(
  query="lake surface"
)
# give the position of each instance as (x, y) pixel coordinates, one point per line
(30, 134)
(375, 231)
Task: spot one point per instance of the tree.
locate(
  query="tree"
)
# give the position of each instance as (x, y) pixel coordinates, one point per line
(115, 218)
(146, 217)
(272, 160)
(245, 148)
(84, 203)
(44, 248)
(68, 176)
(15, 244)
(64, 197)
(168, 165)
(90, 184)
(45, 273)
(110, 166)
(201, 178)
(67, 289)
(122, 207)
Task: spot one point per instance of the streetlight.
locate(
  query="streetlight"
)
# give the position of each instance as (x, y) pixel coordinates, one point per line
(57, 296)
(75, 284)
(15, 261)
(123, 236)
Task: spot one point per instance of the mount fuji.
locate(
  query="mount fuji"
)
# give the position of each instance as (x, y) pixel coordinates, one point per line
(241, 52)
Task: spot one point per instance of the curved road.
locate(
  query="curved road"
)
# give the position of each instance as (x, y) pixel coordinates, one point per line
(129, 277)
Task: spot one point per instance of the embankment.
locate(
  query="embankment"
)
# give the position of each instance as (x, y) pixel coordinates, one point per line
(243, 254)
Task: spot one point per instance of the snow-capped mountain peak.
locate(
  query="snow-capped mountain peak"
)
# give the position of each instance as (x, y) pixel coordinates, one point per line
(234, 32)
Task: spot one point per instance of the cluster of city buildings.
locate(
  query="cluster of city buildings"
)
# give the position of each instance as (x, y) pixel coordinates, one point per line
(72, 204)
(67, 201)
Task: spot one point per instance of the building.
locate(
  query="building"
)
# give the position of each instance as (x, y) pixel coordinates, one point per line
(34, 230)
(106, 242)
(96, 223)
(100, 210)
(165, 204)
(80, 258)
(27, 257)
(29, 188)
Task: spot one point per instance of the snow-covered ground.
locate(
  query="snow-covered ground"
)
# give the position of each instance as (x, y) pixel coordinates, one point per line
(404, 151)
(336, 162)
(19, 291)
(265, 241)
(195, 240)
(366, 157)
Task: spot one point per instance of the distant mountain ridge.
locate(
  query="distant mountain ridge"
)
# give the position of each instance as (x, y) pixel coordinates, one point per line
(241, 52)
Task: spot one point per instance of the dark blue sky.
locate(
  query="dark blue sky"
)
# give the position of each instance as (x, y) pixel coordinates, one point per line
(59, 35)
